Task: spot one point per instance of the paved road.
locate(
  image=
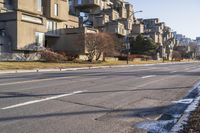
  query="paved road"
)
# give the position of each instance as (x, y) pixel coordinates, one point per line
(110, 100)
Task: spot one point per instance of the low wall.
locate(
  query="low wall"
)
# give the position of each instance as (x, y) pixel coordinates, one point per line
(19, 56)
(111, 59)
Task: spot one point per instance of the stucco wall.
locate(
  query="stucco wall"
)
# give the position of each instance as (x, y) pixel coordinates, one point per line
(63, 9)
(26, 32)
(27, 5)
(71, 44)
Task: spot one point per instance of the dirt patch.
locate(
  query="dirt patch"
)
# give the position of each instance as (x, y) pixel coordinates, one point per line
(193, 125)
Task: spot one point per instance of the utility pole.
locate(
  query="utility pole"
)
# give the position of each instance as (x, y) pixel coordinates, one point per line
(127, 38)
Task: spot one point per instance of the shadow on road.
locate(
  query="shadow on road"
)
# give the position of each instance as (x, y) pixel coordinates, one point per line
(123, 112)
(142, 89)
(20, 94)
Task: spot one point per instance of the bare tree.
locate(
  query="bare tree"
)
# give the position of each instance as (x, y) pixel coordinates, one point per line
(106, 45)
(90, 45)
(168, 45)
(98, 45)
(176, 55)
(193, 49)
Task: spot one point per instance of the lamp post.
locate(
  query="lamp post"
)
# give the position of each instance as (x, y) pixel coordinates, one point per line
(127, 37)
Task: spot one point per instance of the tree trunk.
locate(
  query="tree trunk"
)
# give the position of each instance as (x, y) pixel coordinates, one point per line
(98, 55)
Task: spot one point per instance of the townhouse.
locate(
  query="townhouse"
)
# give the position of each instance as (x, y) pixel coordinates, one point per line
(27, 26)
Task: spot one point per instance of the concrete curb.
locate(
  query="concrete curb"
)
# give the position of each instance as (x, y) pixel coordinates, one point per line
(185, 116)
(84, 68)
(176, 116)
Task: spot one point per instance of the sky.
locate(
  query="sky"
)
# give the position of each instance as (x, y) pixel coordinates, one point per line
(182, 16)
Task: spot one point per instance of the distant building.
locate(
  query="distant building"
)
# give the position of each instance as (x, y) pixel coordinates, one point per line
(161, 34)
(179, 36)
(183, 40)
(198, 40)
(114, 16)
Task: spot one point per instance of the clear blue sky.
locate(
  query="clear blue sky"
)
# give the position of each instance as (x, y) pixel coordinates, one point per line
(182, 16)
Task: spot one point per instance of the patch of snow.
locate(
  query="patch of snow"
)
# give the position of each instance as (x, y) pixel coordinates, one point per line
(185, 117)
(199, 88)
(156, 126)
(193, 106)
(184, 101)
(177, 116)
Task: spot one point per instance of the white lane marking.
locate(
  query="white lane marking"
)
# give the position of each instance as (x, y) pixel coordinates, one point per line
(49, 79)
(187, 69)
(148, 76)
(37, 80)
(42, 100)
(173, 72)
(194, 69)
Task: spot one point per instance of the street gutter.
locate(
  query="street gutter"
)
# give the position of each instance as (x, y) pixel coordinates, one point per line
(174, 119)
(185, 116)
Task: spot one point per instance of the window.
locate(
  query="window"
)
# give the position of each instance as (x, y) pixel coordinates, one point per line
(49, 25)
(39, 5)
(116, 16)
(9, 2)
(39, 39)
(56, 9)
(98, 2)
(79, 2)
(2, 32)
(52, 27)
(70, 3)
(69, 26)
(106, 19)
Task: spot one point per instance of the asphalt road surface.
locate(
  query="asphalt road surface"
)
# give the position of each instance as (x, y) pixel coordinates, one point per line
(110, 100)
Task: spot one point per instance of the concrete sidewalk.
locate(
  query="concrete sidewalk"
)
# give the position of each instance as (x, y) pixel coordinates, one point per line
(83, 68)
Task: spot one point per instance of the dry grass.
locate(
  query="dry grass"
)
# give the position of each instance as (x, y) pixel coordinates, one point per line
(38, 65)
(43, 65)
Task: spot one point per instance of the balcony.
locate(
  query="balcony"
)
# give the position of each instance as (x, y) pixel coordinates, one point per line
(114, 15)
(87, 3)
(138, 29)
(116, 27)
(99, 22)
